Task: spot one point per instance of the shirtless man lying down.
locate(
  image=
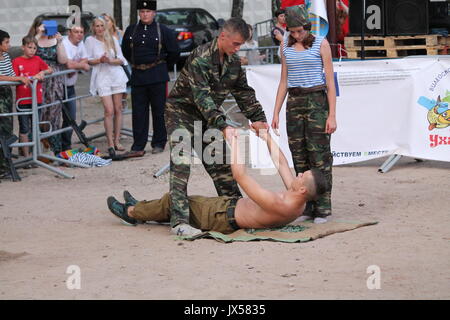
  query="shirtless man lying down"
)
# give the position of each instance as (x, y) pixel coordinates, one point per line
(262, 209)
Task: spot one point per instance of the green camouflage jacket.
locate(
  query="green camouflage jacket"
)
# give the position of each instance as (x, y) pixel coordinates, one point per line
(201, 89)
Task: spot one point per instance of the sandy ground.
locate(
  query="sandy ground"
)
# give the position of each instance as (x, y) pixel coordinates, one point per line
(49, 223)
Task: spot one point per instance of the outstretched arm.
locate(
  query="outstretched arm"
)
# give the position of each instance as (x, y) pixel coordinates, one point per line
(281, 92)
(266, 199)
(279, 160)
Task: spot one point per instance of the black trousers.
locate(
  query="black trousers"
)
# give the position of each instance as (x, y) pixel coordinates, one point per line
(66, 137)
(141, 98)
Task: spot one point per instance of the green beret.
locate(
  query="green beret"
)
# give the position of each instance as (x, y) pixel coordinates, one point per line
(296, 16)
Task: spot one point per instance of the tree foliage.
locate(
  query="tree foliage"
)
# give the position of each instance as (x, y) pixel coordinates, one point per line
(78, 3)
(237, 10)
(133, 11)
(118, 13)
(276, 4)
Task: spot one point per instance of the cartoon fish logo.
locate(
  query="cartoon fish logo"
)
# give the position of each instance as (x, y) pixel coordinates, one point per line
(438, 112)
(443, 119)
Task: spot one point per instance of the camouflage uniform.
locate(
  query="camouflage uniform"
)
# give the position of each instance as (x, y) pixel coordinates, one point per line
(200, 90)
(306, 118)
(6, 123)
(206, 213)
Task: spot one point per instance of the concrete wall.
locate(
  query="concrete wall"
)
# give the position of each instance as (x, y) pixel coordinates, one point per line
(16, 16)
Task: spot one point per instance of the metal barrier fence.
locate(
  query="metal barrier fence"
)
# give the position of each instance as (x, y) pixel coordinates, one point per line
(270, 53)
(263, 29)
(37, 153)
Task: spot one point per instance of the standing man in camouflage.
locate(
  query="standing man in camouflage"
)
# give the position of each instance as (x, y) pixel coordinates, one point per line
(211, 72)
(149, 47)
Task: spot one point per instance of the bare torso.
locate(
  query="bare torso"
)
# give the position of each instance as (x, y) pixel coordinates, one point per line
(249, 214)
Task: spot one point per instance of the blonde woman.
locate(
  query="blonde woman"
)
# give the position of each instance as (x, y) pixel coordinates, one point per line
(118, 34)
(112, 27)
(108, 79)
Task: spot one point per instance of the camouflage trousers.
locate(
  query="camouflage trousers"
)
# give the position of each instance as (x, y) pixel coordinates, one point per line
(186, 133)
(206, 213)
(6, 123)
(309, 144)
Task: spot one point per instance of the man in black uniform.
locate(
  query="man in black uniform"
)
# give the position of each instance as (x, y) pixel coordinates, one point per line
(149, 47)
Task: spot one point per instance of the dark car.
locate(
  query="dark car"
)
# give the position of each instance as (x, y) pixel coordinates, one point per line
(61, 18)
(193, 26)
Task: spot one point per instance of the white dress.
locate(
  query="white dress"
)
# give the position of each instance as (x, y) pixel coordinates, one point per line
(105, 76)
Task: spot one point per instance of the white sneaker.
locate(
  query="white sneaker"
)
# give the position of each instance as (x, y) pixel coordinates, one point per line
(320, 220)
(303, 218)
(185, 230)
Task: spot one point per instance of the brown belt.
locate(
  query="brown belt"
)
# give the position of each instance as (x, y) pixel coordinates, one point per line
(147, 66)
(299, 90)
(230, 214)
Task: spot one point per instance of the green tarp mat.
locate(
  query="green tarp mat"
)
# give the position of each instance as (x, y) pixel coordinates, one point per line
(298, 232)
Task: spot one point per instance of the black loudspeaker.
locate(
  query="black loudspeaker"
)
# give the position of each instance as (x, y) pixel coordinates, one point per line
(406, 17)
(375, 17)
(439, 14)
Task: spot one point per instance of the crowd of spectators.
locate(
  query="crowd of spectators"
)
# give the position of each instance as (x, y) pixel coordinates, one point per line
(46, 52)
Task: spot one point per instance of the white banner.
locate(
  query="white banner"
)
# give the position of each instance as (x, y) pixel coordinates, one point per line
(398, 106)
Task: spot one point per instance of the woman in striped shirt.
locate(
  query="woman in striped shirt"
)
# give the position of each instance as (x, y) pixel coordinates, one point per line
(311, 103)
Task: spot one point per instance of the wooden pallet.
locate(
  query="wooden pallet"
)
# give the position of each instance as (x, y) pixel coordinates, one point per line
(396, 46)
(383, 52)
(445, 41)
(429, 40)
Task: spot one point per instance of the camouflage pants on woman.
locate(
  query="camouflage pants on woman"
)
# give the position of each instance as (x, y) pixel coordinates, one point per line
(6, 123)
(306, 118)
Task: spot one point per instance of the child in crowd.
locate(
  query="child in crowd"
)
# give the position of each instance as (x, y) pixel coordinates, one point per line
(31, 66)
